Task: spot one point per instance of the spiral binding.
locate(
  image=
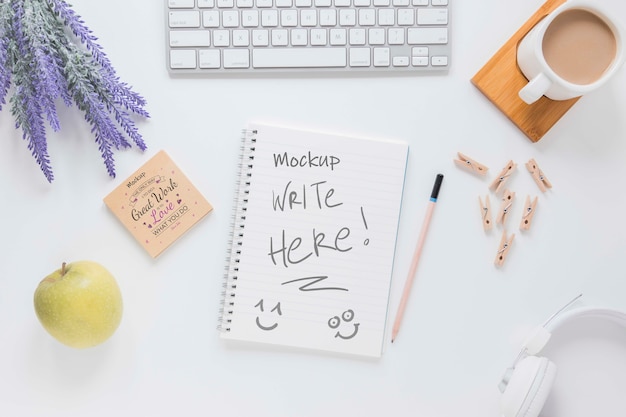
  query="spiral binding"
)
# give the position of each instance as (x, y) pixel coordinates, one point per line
(240, 205)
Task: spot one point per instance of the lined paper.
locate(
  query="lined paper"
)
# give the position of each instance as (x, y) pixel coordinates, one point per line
(318, 217)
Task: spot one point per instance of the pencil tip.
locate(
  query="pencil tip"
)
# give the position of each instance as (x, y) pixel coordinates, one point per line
(392, 340)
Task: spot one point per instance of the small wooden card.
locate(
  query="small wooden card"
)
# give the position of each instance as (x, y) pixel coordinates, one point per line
(501, 79)
(157, 204)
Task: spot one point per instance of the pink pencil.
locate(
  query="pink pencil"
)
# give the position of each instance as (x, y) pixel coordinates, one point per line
(416, 256)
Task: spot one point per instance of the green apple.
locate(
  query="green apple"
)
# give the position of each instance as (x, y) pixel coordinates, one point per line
(79, 304)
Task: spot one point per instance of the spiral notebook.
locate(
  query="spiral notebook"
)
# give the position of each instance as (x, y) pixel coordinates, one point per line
(313, 241)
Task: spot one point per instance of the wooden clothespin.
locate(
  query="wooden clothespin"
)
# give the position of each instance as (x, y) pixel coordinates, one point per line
(498, 184)
(485, 209)
(503, 249)
(505, 206)
(471, 165)
(538, 175)
(529, 212)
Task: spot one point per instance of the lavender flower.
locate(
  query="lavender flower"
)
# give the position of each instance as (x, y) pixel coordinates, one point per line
(5, 40)
(40, 58)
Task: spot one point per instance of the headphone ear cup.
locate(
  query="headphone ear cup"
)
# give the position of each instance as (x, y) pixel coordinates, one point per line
(528, 388)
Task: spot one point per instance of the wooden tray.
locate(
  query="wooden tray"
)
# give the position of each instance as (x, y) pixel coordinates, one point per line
(500, 80)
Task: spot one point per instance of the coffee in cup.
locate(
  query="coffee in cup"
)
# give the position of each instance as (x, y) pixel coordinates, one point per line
(571, 52)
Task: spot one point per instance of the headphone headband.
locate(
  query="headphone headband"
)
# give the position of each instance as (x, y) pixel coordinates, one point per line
(540, 338)
(615, 316)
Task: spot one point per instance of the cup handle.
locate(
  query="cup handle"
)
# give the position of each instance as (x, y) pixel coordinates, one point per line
(535, 88)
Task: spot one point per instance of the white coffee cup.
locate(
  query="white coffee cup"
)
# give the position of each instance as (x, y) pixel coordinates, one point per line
(572, 51)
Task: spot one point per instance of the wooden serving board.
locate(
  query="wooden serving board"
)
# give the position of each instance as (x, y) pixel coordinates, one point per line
(501, 79)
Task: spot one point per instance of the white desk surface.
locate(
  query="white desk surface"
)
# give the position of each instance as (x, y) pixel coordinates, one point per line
(465, 316)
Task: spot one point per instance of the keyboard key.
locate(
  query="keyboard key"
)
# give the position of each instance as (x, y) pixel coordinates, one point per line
(427, 36)
(182, 58)
(338, 36)
(347, 17)
(381, 57)
(299, 37)
(236, 58)
(419, 61)
(221, 37)
(406, 17)
(367, 17)
(357, 36)
(186, 19)
(280, 37)
(376, 36)
(289, 18)
(260, 37)
(206, 4)
(419, 51)
(211, 19)
(432, 16)
(269, 18)
(386, 17)
(230, 19)
(308, 18)
(396, 36)
(299, 58)
(328, 17)
(318, 37)
(180, 4)
(250, 18)
(439, 61)
(400, 61)
(241, 37)
(360, 57)
(183, 38)
(209, 58)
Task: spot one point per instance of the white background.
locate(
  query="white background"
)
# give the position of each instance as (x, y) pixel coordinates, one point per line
(465, 317)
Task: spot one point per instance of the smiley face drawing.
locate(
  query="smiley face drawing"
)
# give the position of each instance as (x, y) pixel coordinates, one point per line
(347, 316)
(258, 319)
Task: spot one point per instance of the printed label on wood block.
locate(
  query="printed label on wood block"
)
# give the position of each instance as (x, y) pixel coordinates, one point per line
(157, 204)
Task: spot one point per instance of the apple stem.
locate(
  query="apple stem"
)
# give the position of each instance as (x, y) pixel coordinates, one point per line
(63, 268)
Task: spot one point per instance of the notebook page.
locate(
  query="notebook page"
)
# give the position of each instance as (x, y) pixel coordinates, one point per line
(318, 245)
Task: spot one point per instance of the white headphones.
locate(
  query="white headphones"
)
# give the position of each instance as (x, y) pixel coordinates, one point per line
(525, 386)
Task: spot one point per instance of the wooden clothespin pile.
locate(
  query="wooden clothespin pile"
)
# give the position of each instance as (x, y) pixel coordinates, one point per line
(499, 187)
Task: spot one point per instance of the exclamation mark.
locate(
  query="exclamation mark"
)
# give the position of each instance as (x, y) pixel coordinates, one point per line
(366, 241)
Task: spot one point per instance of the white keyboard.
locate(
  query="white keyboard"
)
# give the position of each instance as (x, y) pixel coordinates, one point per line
(248, 36)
